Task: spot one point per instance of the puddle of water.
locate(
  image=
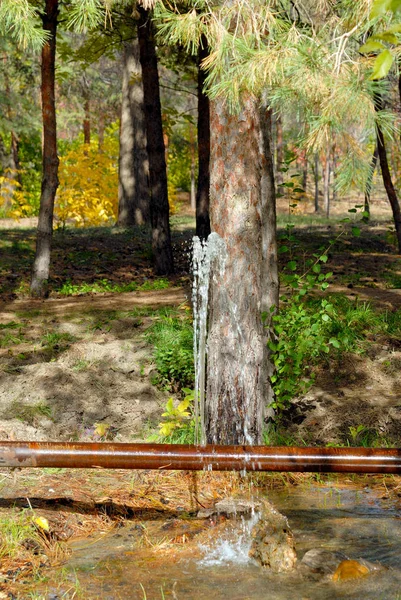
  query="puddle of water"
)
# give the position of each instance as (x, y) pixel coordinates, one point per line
(356, 523)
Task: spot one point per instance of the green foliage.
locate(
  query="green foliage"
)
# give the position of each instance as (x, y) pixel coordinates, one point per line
(172, 338)
(53, 340)
(105, 285)
(11, 333)
(20, 20)
(15, 529)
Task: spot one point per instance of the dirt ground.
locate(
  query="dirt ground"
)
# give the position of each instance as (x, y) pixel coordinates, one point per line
(99, 373)
(81, 368)
(98, 368)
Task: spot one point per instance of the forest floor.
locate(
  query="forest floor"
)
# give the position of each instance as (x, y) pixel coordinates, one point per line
(78, 366)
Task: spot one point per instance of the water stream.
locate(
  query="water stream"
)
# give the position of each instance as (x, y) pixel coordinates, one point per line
(356, 522)
(206, 254)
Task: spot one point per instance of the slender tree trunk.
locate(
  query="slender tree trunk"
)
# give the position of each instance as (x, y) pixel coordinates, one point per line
(242, 213)
(203, 192)
(326, 186)
(8, 168)
(100, 130)
(161, 238)
(305, 176)
(316, 176)
(41, 266)
(369, 182)
(387, 181)
(133, 171)
(15, 154)
(192, 151)
(279, 154)
(87, 118)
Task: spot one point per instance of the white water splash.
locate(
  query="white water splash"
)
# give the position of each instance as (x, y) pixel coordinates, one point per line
(231, 548)
(205, 255)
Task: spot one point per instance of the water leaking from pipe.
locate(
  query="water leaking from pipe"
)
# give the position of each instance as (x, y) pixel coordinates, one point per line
(197, 458)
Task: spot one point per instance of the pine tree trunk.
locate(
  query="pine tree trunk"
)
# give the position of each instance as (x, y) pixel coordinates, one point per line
(192, 151)
(133, 171)
(242, 213)
(326, 186)
(161, 238)
(100, 130)
(41, 266)
(87, 118)
(203, 192)
(369, 182)
(387, 181)
(279, 154)
(316, 175)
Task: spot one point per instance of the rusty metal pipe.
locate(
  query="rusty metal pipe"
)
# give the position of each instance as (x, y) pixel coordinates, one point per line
(196, 458)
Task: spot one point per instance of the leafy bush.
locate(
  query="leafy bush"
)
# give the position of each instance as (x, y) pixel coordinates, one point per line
(172, 338)
(87, 194)
(178, 426)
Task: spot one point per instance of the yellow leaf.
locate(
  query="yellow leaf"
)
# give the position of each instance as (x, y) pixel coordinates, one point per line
(101, 429)
(42, 523)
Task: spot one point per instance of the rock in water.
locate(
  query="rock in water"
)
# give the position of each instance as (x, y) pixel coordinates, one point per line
(320, 560)
(273, 541)
(350, 569)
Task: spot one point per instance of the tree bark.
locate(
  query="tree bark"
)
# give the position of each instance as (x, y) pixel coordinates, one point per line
(203, 192)
(159, 208)
(87, 118)
(387, 181)
(243, 214)
(133, 171)
(9, 170)
(326, 186)
(279, 154)
(369, 182)
(316, 175)
(41, 266)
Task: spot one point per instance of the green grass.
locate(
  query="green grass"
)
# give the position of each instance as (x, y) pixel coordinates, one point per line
(15, 529)
(29, 413)
(53, 340)
(105, 285)
(11, 333)
(172, 338)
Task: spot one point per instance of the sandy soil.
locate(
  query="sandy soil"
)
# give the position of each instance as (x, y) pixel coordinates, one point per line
(103, 373)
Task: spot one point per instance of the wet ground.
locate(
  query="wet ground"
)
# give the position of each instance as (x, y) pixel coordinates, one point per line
(136, 561)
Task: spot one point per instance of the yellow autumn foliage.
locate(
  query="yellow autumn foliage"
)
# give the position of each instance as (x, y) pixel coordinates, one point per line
(88, 188)
(13, 200)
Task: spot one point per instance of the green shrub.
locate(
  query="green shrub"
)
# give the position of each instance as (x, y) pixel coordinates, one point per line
(172, 338)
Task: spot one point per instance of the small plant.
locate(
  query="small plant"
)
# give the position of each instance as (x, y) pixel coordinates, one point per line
(11, 334)
(178, 426)
(54, 340)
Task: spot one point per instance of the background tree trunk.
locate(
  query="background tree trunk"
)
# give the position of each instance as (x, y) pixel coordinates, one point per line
(161, 238)
(279, 154)
(87, 116)
(203, 192)
(326, 186)
(242, 212)
(316, 177)
(133, 169)
(369, 182)
(9, 170)
(41, 266)
(387, 181)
